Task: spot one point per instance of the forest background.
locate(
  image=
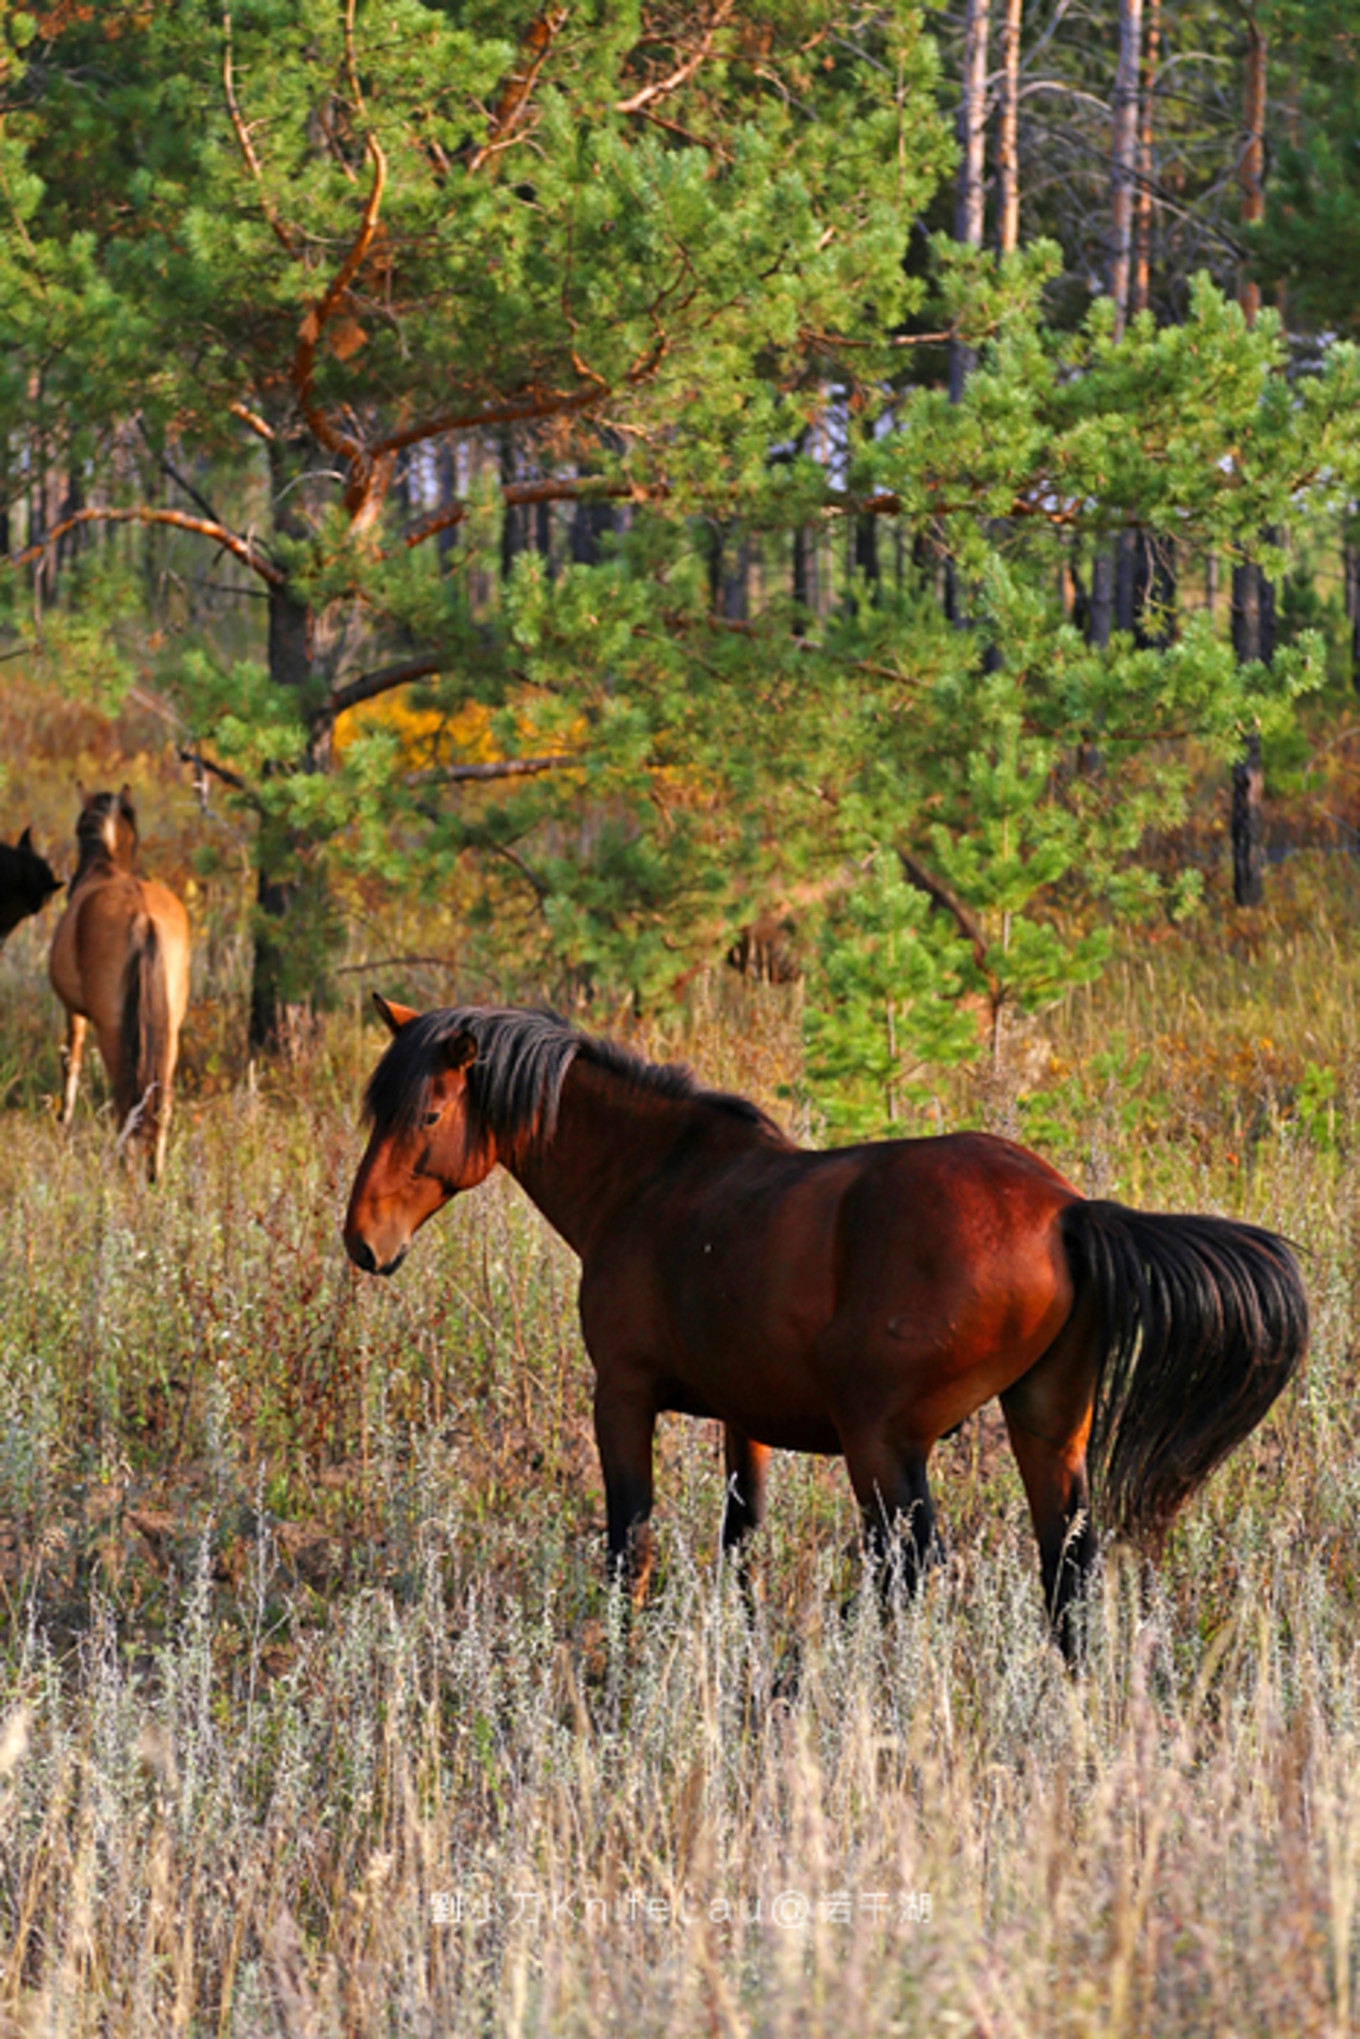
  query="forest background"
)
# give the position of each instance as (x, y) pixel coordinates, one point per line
(637, 480)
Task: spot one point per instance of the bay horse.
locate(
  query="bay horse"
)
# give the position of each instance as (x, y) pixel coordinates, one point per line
(863, 1301)
(27, 882)
(120, 959)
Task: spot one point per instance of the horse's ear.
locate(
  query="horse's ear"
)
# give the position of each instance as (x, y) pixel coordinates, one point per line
(394, 1016)
(125, 802)
(82, 796)
(460, 1052)
(26, 839)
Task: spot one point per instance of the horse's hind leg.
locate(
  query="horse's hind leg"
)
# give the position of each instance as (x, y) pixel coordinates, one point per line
(898, 1515)
(72, 1054)
(1048, 1416)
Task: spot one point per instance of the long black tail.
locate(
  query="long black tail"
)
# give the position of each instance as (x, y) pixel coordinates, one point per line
(1203, 1321)
(146, 1021)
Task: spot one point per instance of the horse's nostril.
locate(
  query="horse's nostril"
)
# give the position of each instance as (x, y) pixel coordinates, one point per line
(395, 1262)
(361, 1253)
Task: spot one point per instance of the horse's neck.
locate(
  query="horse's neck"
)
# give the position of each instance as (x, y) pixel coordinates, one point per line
(610, 1138)
(98, 861)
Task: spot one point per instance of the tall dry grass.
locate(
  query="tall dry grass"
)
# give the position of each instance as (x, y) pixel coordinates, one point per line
(315, 1716)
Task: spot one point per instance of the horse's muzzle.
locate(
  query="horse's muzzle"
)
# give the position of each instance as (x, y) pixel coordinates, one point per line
(363, 1256)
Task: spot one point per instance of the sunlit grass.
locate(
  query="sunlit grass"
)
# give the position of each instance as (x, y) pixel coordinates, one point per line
(314, 1713)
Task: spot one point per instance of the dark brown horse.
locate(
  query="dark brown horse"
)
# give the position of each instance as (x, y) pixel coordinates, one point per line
(120, 958)
(863, 1301)
(27, 882)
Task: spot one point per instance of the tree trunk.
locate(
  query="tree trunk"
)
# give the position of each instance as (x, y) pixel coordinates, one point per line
(866, 553)
(969, 207)
(1007, 150)
(1253, 598)
(1248, 826)
(1100, 616)
(514, 520)
(1124, 156)
(1251, 160)
(1253, 636)
(1140, 288)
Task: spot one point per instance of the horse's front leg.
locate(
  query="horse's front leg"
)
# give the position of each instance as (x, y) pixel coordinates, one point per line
(625, 1420)
(746, 1464)
(73, 1054)
(898, 1515)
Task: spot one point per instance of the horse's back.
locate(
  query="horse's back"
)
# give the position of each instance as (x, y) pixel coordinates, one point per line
(801, 1290)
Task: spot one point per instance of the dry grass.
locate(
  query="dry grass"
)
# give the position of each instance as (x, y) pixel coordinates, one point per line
(315, 1717)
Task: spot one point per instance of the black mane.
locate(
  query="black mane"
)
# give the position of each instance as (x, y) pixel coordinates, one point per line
(514, 1084)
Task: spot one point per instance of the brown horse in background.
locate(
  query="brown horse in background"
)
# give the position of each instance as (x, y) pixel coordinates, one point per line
(27, 882)
(120, 958)
(861, 1301)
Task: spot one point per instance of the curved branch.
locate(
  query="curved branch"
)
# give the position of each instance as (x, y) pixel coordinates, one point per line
(203, 527)
(304, 359)
(253, 164)
(369, 685)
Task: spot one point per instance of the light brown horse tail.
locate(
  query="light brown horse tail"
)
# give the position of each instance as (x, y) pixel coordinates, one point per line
(1203, 1322)
(145, 1034)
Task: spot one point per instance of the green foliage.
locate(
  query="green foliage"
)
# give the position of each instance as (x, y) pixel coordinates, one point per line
(882, 1003)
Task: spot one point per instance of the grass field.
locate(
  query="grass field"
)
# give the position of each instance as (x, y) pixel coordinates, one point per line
(315, 1716)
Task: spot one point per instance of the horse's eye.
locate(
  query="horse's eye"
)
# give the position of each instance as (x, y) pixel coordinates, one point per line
(431, 1118)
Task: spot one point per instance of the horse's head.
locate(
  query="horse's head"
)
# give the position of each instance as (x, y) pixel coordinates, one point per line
(425, 1145)
(107, 827)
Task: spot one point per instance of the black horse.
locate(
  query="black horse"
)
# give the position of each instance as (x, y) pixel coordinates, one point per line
(27, 882)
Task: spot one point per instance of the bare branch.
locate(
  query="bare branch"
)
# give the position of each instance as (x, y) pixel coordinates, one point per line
(944, 901)
(256, 423)
(493, 768)
(543, 32)
(563, 490)
(181, 481)
(649, 94)
(178, 520)
(222, 772)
